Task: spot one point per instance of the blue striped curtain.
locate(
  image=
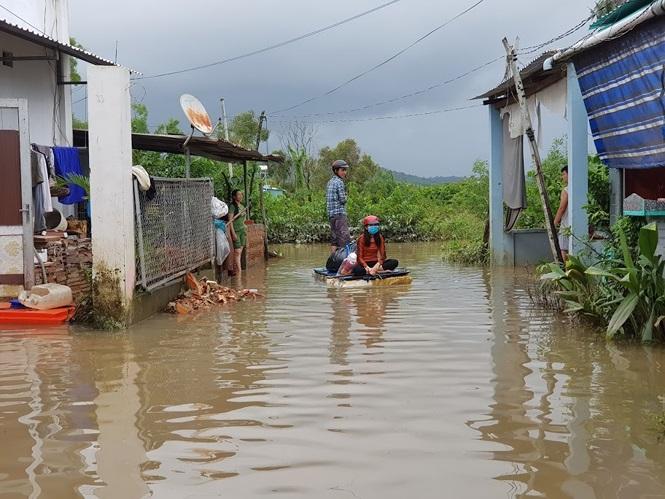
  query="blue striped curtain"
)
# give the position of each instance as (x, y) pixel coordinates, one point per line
(622, 86)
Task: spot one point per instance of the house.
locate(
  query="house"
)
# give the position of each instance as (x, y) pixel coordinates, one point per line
(610, 81)
(35, 107)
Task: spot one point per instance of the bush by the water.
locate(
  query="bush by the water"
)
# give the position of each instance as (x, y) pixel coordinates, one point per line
(625, 294)
(453, 213)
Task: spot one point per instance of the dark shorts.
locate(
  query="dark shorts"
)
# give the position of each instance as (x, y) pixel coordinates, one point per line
(339, 227)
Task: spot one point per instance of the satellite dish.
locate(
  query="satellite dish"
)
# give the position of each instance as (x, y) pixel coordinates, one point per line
(196, 114)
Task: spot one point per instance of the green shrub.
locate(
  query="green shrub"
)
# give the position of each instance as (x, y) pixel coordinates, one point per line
(626, 294)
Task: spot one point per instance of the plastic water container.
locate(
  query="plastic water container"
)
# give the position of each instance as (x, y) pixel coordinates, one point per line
(47, 296)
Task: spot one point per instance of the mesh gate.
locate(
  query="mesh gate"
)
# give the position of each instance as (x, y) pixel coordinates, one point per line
(173, 230)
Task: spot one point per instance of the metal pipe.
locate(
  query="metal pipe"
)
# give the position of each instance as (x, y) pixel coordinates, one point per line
(226, 133)
(139, 229)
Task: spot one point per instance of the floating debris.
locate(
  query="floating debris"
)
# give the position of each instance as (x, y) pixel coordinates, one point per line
(202, 294)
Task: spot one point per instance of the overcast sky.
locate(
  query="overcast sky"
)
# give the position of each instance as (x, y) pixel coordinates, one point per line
(155, 36)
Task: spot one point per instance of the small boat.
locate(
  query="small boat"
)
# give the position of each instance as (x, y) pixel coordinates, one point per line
(395, 277)
(54, 316)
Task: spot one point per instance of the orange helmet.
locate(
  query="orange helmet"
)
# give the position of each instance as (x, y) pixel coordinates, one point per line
(370, 220)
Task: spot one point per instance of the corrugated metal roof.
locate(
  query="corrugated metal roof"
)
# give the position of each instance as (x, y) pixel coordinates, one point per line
(532, 69)
(219, 150)
(46, 41)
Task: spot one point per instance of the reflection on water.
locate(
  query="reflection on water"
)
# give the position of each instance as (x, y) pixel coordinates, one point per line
(455, 386)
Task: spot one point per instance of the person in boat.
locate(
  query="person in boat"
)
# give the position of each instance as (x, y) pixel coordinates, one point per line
(371, 250)
(336, 206)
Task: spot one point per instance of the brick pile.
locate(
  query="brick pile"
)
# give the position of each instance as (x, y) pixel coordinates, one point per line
(69, 263)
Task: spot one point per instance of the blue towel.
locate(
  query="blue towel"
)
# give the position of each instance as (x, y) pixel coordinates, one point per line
(67, 161)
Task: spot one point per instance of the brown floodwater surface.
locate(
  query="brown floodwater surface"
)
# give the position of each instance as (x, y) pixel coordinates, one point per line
(454, 386)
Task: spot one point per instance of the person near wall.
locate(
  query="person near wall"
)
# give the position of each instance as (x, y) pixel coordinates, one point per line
(220, 215)
(238, 229)
(561, 218)
(371, 250)
(336, 206)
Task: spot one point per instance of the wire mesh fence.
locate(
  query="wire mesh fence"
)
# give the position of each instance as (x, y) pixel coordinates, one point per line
(173, 229)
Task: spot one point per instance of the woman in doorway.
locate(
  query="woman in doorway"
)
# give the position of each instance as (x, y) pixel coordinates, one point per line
(238, 229)
(371, 251)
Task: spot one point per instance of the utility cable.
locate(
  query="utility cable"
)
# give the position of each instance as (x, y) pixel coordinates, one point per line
(271, 47)
(382, 63)
(405, 96)
(24, 20)
(524, 51)
(390, 117)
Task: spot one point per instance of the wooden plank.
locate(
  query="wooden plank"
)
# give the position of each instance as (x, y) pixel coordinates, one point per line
(10, 172)
(11, 279)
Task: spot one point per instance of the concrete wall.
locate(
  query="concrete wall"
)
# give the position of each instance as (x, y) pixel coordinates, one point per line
(50, 17)
(110, 152)
(49, 105)
(531, 247)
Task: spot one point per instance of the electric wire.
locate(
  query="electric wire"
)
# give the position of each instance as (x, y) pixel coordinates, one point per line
(382, 63)
(270, 47)
(387, 117)
(525, 51)
(24, 20)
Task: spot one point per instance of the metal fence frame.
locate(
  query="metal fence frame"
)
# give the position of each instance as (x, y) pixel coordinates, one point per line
(174, 233)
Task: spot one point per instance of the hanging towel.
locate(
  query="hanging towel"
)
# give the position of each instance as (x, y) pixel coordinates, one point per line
(47, 202)
(67, 162)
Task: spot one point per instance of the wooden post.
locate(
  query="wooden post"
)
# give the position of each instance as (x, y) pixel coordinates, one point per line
(535, 154)
(244, 173)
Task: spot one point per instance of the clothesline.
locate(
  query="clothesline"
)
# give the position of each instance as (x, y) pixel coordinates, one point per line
(48, 163)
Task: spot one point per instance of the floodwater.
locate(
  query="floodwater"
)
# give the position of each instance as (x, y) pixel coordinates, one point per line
(455, 386)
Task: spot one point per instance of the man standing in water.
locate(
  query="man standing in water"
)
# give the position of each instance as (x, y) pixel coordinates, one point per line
(336, 204)
(561, 218)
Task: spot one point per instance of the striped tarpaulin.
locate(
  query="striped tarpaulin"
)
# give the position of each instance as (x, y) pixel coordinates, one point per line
(622, 86)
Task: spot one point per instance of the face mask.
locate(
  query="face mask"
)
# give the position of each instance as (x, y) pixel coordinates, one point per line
(373, 230)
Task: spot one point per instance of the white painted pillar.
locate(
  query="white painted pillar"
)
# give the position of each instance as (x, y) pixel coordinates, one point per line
(112, 199)
(501, 252)
(578, 167)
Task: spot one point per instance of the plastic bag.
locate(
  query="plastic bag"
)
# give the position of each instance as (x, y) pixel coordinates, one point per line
(223, 247)
(47, 296)
(347, 265)
(336, 259)
(218, 208)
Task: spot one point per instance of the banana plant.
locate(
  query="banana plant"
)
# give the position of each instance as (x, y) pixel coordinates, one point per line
(626, 294)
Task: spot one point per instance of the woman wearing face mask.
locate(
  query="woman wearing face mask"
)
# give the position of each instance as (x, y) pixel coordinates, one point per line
(372, 250)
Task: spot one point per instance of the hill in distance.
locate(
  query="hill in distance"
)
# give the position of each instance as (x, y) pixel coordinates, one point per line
(414, 179)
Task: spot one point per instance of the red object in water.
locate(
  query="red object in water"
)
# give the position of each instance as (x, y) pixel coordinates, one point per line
(54, 316)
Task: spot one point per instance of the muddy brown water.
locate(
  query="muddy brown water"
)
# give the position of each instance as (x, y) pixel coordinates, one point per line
(455, 386)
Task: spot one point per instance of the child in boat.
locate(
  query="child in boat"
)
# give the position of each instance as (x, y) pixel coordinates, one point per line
(371, 250)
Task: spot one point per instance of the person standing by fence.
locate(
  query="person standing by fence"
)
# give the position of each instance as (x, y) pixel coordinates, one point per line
(336, 205)
(238, 229)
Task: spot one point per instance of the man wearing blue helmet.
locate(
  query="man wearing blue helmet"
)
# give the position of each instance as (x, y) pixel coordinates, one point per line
(336, 205)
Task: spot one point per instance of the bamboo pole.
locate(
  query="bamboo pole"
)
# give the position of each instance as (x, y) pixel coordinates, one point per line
(535, 154)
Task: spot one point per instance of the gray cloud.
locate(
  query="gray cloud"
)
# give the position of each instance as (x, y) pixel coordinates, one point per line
(155, 36)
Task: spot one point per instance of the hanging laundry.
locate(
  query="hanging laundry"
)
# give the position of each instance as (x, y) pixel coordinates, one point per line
(37, 193)
(47, 151)
(514, 183)
(46, 190)
(67, 162)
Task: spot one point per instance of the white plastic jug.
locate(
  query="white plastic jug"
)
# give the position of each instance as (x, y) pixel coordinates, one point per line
(46, 296)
